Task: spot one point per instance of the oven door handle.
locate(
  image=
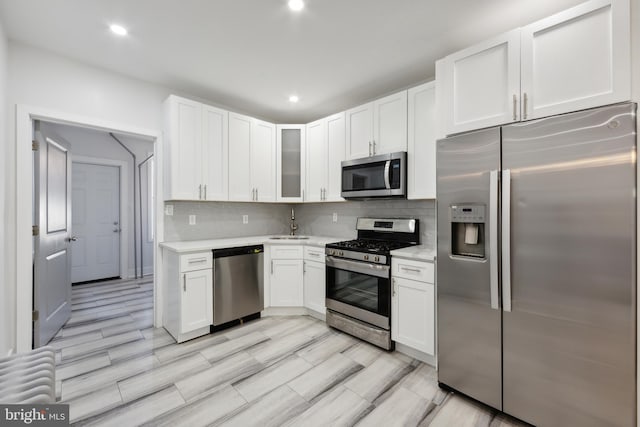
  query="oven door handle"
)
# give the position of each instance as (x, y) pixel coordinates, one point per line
(387, 177)
(376, 270)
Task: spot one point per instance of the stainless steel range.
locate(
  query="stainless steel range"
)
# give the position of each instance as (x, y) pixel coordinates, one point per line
(359, 278)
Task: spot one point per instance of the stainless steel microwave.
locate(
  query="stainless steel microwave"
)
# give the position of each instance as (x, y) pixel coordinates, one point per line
(382, 176)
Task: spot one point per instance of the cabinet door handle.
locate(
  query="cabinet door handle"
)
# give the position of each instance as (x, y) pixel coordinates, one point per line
(257, 197)
(369, 148)
(253, 194)
(374, 146)
(205, 191)
(200, 192)
(304, 267)
(515, 105)
(184, 282)
(415, 270)
(271, 266)
(524, 106)
(394, 287)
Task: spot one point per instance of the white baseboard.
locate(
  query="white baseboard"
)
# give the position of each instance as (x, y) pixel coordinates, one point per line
(284, 311)
(417, 354)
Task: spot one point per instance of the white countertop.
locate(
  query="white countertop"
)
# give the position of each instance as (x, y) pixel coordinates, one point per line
(233, 242)
(417, 253)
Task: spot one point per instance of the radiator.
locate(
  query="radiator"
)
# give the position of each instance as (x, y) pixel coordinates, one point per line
(28, 377)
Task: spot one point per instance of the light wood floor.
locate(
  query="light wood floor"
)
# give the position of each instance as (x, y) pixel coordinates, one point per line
(115, 369)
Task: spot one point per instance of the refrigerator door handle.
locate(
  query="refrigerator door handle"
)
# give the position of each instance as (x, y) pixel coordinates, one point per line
(493, 238)
(506, 239)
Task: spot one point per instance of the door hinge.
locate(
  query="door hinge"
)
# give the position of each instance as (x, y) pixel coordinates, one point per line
(35, 146)
(35, 230)
(35, 315)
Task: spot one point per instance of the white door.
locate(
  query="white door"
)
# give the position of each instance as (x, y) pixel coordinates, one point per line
(576, 59)
(196, 300)
(314, 286)
(482, 84)
(336, 143)
(413, 317)
(390, 124)
(421, 149)
(286, 283)
(215, 154)
(240, 188)
(360, 131)
(96, 222)
(263, 160)
(52, 260)
(316, 161)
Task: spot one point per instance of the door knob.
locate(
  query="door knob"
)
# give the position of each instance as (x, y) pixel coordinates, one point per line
(72, 239)
(117, 230)
(115, 222)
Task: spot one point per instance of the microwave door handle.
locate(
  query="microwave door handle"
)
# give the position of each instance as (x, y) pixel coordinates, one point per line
(387, 171)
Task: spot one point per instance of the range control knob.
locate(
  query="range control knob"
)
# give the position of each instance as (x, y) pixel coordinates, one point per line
(366, 257)
(341, 253)
(376, 259)
(332, 252)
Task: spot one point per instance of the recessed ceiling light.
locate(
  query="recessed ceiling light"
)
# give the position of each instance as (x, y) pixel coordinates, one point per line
(296, 5)
(118, 29)
(294, 98)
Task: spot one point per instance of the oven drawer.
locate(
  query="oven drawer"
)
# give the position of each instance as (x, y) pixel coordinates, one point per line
(286, 252)
(196, 261)
(414, 270)
(314, 253)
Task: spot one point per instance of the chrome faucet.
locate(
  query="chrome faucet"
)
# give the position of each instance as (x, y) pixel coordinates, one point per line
(293, 226)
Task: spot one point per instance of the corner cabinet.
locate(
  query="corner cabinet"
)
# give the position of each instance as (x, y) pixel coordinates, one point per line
(378, 127)
(188, 294)
(421, 146)
(413, 304)
(573, 60)
(290, 159)
(325, 150)
(196, 151)
(252, 152)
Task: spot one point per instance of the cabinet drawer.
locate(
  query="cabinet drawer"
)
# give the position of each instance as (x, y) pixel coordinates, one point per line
(286, 252)
(414, 270)
(312, 253)
(196, 261)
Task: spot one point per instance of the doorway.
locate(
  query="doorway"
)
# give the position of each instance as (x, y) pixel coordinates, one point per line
(96, 226)
(27, 118)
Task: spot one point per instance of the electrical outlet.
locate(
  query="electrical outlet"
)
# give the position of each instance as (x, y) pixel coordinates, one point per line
(192, 220)
(168, 210)
(245, 219)
(335, 217)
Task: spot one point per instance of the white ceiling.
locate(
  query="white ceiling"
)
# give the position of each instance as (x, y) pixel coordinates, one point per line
(250, 55)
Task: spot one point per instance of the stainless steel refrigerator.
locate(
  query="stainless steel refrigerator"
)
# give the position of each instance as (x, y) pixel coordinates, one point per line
(536, 267)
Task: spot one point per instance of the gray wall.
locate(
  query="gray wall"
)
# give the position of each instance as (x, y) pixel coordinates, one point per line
(216, 220)
(224, 219)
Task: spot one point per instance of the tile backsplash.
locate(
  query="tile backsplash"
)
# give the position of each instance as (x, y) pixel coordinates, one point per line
(224, 219)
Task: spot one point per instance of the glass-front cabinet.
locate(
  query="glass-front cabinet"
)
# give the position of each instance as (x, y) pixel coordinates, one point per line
(291, 165)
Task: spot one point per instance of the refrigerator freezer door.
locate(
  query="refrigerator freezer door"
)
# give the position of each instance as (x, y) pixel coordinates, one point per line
(469, 335)
(570, 338)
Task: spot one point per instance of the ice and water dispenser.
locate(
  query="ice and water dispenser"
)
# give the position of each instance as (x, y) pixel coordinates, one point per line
(468, 230)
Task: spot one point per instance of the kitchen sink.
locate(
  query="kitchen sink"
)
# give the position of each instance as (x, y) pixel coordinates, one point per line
(288, 238)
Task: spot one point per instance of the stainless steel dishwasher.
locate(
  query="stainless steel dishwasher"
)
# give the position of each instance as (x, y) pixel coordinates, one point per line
(238, 283)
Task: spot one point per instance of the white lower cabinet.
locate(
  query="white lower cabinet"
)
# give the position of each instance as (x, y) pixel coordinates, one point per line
(286, 276)
(314, 279)
(413, 305)
(188, 294)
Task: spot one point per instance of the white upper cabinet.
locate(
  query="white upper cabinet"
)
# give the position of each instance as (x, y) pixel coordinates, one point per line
(325, 151)
(482, 84)
(263, 160)
(359, 127)
(215, 153)
(378, 127)
(576, 59)
(252, 159)
(197, 143)
(421, 150)
(390, 124)
(290, 158)
(317, 160)
(240, 184)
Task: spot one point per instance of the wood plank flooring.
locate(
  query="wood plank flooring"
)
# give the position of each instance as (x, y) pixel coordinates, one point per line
(115, 369)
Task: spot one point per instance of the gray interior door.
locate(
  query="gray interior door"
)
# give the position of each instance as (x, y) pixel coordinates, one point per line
(52, 260)
(570, 338)
(469, 335)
